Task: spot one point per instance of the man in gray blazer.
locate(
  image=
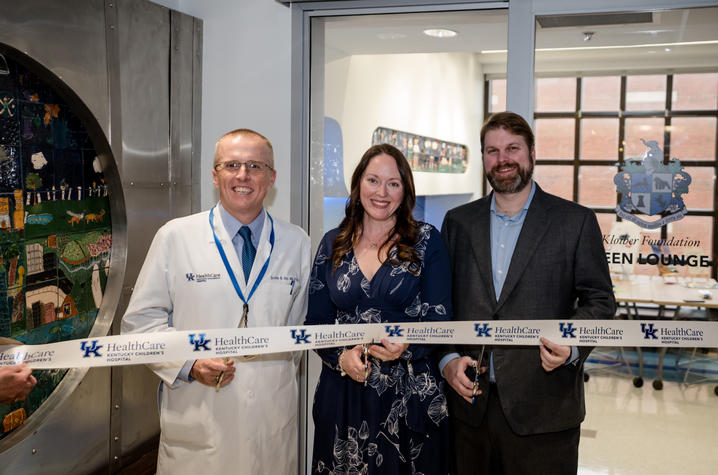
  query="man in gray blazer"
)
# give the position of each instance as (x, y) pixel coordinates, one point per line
(520, 254)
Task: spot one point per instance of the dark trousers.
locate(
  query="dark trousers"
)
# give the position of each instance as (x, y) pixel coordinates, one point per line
(494, 449)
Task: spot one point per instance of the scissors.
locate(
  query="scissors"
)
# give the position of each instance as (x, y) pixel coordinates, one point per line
(366, 360)
(221, 376)
(476, 365)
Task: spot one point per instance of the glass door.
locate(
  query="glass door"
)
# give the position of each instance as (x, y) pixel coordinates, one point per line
(414, 80)
(626, 116)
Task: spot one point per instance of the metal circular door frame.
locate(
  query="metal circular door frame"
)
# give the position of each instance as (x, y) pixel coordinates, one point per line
(118, 255)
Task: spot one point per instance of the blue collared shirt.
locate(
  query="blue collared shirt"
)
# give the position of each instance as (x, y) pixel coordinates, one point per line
(231, 225)
(505, 232)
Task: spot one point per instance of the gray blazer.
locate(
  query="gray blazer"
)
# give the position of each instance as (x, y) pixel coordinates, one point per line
(558, 270)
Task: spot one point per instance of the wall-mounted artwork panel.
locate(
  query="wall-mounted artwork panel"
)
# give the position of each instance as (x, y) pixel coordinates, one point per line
(55, 221)
(425, 154)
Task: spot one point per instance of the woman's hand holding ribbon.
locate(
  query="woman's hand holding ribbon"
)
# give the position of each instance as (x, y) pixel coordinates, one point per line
(388, 351)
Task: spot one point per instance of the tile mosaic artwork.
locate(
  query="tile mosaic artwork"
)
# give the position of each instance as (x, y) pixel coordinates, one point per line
(55, 228)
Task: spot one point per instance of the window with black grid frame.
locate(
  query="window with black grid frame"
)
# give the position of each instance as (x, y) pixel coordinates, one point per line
(588, 125)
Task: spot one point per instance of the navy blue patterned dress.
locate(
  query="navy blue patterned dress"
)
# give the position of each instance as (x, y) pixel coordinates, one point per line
(398, 423)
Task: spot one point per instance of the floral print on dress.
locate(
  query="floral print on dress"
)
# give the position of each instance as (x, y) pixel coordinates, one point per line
(349, 453)
(315, 284)
(418, 307)
(398, 422)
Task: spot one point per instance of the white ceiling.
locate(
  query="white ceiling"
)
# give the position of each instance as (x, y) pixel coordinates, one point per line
(486, 30)
(363, 34)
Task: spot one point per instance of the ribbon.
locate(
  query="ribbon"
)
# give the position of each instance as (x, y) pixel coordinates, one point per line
(159, 347)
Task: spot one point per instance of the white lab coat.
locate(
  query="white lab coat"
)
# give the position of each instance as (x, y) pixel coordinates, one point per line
(249, 426)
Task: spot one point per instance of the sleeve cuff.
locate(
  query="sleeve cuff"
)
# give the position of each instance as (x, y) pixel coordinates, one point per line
(573, 358)
(445, 360)
(184, 372)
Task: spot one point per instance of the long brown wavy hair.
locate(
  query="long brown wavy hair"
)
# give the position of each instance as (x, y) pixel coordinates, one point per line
(406, 229)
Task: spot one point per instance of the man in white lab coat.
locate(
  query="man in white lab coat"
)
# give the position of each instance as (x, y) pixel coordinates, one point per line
(201, 272)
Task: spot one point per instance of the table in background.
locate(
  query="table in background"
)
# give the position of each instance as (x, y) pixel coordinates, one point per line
(663, 292)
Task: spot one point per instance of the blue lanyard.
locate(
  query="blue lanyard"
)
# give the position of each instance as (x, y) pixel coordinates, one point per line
(232, 276)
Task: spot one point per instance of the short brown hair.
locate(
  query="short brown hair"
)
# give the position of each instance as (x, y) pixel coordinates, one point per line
(510, 121)
(244, 133)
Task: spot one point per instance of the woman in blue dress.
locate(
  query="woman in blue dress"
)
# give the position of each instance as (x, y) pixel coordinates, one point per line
(380, 265)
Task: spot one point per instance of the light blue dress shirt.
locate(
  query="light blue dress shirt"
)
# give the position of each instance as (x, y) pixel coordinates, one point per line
(505, 232)
(231, 225)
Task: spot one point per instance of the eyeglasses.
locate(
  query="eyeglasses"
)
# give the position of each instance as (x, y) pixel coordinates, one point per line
(252, 167)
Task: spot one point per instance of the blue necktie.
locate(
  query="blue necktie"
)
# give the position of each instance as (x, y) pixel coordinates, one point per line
(248, 251)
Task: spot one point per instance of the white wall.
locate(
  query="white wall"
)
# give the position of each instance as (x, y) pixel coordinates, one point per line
(438, 95)
(245, 82)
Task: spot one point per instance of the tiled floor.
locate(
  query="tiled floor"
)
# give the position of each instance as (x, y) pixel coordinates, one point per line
(629, 430)
(632, 431)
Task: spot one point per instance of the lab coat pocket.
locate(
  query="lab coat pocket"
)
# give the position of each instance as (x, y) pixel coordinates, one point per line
(188, 417)
(279, 296)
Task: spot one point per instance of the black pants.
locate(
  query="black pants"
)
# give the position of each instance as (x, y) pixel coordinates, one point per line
(494, 449)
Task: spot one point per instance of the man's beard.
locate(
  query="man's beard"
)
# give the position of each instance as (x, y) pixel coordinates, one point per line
(514, 185)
